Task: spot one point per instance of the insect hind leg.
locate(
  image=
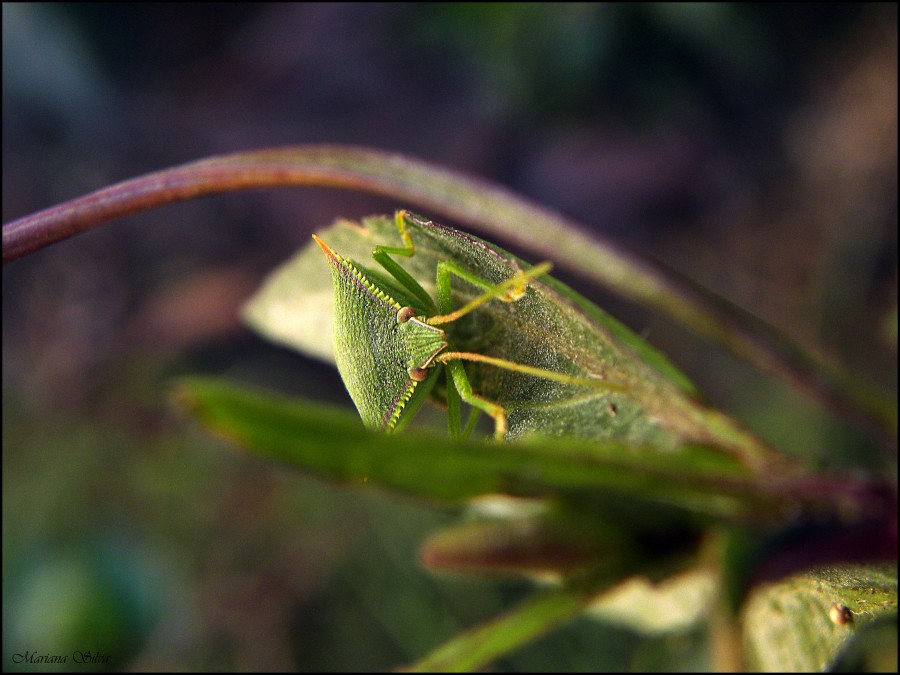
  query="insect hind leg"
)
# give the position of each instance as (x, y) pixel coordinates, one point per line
(464, 387)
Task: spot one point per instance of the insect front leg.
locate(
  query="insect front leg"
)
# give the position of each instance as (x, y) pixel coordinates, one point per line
(508, 291)
(382, 255)
(454, 413)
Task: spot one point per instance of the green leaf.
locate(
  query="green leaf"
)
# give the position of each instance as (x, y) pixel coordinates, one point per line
(332, 443)
(794, 624)
(631, 488)
(634, 394)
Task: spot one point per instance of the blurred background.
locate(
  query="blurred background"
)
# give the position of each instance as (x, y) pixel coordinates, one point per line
(753, 148)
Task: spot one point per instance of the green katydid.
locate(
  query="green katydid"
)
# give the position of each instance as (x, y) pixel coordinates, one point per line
(384, 350)
(520, 345)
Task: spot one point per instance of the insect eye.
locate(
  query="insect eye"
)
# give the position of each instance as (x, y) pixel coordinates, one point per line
(418, 374)
(405, 314)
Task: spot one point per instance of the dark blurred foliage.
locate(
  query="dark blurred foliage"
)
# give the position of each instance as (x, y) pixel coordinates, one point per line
(751, 147)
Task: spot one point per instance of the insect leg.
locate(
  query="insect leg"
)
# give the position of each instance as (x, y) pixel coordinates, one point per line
(454, 420)
(454, 413)
(508, 291)
(458, 380)
(382, 255)
(461, 382)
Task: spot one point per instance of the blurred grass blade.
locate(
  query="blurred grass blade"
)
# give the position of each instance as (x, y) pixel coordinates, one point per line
(478, 647)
